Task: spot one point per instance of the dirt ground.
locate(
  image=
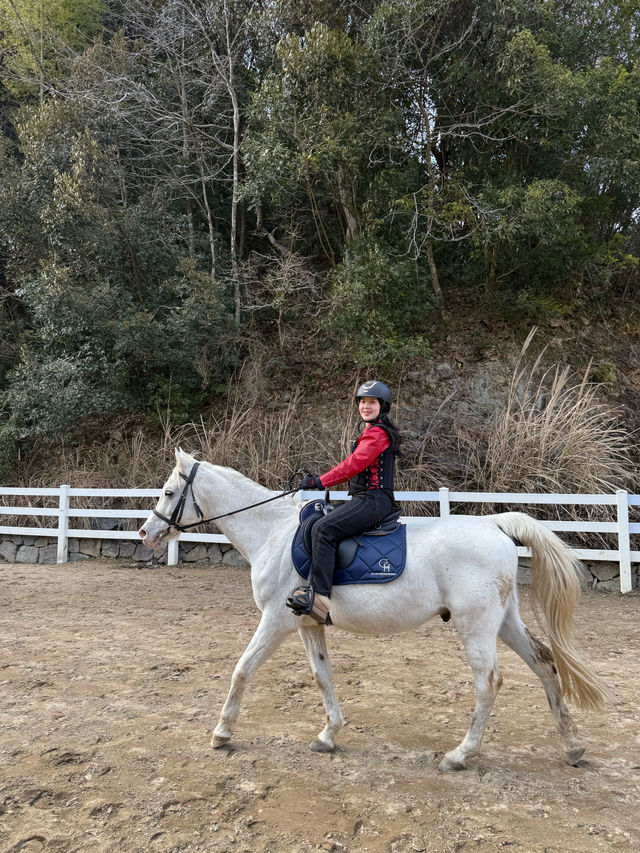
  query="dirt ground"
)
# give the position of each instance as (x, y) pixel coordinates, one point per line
(112, 675)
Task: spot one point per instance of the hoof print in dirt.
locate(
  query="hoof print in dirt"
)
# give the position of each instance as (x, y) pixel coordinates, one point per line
(33, 842)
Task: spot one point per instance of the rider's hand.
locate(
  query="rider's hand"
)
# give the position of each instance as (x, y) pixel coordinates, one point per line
(311, 481)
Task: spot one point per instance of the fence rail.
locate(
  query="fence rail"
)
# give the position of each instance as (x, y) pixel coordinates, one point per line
(622, 527)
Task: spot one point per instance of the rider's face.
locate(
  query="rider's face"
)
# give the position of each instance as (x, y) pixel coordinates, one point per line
(369, 408)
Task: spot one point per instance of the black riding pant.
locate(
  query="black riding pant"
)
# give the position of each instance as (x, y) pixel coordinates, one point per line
(348, 519)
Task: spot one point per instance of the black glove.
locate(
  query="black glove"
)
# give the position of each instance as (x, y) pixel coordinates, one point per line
(311, 481)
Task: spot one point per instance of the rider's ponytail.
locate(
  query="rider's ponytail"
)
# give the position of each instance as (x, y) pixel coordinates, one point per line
(394, 433)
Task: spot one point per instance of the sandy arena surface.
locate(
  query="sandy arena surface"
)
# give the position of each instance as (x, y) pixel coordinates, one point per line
(112, 676)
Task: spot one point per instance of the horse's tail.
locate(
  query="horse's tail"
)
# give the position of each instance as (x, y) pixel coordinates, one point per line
(555, 590)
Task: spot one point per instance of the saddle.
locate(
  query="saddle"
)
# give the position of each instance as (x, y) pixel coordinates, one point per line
(376, 556)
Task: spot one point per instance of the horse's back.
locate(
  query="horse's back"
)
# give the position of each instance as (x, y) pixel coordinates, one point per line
(463, 538)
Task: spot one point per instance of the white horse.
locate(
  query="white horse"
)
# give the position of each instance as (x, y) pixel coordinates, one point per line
(464, 567)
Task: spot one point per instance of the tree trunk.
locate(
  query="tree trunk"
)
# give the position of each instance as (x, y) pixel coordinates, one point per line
(235, 267)
(210, 224)
(435, 279)
(433, 189)
(347, 206)
(184, 107)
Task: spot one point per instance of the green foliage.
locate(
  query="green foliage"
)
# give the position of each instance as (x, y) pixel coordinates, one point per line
(47, 397)
(36, 35)
(528, 70)
(605, 372)
(536, 308)
(536, 228)
(8, 451)
(320, 128)
(115, 315)
(379, 304)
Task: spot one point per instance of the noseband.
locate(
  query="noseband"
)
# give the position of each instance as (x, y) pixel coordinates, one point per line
(176, 515)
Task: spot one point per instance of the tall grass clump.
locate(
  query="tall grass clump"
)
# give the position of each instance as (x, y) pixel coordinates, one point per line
(553, 436)
(267, 446)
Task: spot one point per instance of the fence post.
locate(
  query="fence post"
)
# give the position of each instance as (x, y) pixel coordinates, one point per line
(172, 552)
(443, 496)
(624, 540)
(63, 524)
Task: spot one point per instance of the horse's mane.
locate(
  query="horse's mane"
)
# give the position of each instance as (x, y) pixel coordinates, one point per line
(231, 473)
(236, 477)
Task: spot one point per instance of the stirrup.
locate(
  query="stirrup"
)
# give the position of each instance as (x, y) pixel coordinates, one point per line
(301, 600)
(303, 603)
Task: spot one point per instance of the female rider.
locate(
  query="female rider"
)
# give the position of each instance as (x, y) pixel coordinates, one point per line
(369, 468)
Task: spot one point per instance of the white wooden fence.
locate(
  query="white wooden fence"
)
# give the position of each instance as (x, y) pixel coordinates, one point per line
(622, 528)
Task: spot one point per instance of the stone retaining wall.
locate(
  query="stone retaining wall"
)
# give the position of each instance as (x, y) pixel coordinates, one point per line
(40, 549)
(602, 574)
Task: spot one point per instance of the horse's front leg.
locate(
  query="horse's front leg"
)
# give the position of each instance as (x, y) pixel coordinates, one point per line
(316, 647)
(268, 636)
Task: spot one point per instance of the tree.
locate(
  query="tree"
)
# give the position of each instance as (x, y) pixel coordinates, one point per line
(36, 34)
(320, 129)
(127, 322)
(175, 82)
(178, 167)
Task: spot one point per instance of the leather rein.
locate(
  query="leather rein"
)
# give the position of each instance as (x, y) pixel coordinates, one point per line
(176, 515)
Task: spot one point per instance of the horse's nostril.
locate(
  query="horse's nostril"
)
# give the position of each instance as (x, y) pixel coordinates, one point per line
(142, 533)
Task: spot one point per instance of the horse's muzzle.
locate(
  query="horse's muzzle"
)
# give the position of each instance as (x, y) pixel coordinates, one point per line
(153, 533)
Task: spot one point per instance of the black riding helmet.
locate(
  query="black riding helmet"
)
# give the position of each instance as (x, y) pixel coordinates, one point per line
(376, 389)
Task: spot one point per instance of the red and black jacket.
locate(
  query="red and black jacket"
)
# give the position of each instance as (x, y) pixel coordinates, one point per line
(370, 465)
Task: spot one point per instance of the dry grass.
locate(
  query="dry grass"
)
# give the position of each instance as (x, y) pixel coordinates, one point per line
(266, 445)
(552, 436)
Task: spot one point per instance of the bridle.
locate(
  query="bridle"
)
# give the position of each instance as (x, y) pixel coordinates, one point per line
(178, 510)
(176, 515)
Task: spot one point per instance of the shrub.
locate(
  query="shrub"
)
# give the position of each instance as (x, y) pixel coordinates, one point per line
(379, 304)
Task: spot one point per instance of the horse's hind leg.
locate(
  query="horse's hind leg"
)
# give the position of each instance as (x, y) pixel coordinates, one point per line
(480, 647)
(268, 636)
(539, 658)
(316, 647)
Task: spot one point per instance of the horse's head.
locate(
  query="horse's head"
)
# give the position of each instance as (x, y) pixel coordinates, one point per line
(176, 506)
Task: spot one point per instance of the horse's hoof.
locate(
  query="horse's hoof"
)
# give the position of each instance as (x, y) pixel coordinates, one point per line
(318, 745)
(574, 755)
(451, 764)
(217, 741)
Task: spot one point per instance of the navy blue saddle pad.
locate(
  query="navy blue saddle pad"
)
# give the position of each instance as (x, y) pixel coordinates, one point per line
(376, 556)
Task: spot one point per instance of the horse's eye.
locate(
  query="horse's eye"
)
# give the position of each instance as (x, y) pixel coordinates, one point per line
(168, 493)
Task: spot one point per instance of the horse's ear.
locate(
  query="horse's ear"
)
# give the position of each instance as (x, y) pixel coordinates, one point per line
(179, 458)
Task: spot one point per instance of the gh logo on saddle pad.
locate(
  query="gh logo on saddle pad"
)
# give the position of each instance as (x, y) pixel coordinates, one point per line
(375, 556)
